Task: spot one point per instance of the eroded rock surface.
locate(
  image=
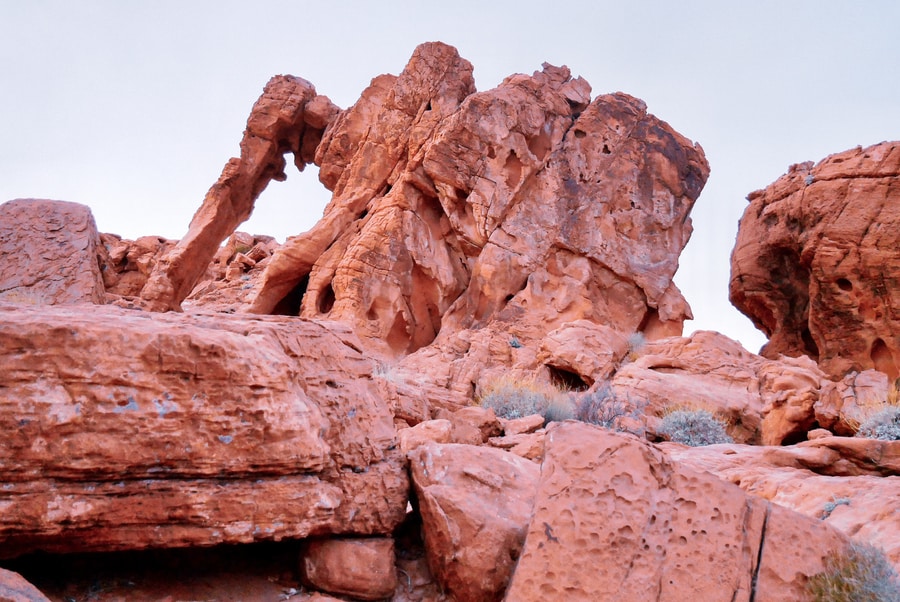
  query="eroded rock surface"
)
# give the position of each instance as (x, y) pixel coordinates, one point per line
(462, 220)
(817, 266)
(767, 401)
(49, 252)
(614, 519)
(850, 484)
(131, 430)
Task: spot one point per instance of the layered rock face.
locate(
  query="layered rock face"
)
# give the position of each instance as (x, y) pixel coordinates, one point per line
(817, 266)
(129, 430)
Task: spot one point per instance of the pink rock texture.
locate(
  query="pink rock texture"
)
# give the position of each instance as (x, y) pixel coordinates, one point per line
(49, 251)
(288, 117)
(614, 519)
(816, 265)
(14, 588)
(475, 504)
(839, 481)
(128, 430)
(360, 567)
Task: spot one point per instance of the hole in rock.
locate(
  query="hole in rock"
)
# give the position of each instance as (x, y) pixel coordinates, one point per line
(331, 384)
(363, 215)
(326, 299)
(566, 379)
(428, 106)
(509, 298)
(290, 303)
(579, 133)
(540, 145)
(387, 189)
(289, 208)
(844, 284)
(606, 150)
(883, 359)
(512, 170)
(812, 350)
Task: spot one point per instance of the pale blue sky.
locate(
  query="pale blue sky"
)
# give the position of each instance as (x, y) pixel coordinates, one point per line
(133, 107)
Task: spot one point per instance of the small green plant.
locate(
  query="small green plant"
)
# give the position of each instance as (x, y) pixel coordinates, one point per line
(604, 408)
(693, 427)
(517, 397)
(861, 573)
(829, 507)
(883, 424)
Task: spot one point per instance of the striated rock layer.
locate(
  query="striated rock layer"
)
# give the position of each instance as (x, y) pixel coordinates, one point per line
(817, 261)
(131, 430)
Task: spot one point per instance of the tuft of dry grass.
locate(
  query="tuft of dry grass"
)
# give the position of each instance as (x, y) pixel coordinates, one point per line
(517, 396)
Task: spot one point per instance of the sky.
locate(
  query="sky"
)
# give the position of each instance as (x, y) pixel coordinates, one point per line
(133, 108)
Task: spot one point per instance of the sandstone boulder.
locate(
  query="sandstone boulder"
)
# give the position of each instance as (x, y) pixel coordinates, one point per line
(49, 253)
(362, 567)
(468, 225)
(816, 265)
(475, 504)
(14, 588)
(127, 430)
(614, 519)
(126, 264)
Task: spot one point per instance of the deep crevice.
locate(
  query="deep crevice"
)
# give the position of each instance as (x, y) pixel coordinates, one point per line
(759, 554)
(566, 379)
(290, 303)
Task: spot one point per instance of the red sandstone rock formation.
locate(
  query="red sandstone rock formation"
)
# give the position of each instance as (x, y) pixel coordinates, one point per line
(289, 117)
(49, 251)
(127, 430)
(522, 230)
(817, 266)
(454, 209)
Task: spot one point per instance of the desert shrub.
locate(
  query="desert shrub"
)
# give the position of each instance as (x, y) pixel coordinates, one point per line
(883, 424)
(860, 573)
(636, 342)
(693, 427)
(517, 397)
(604, 408)
(558, 409)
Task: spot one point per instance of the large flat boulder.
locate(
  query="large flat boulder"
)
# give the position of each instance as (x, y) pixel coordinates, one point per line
(615, 519)
(127, 430)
